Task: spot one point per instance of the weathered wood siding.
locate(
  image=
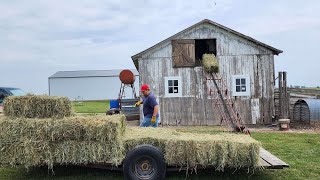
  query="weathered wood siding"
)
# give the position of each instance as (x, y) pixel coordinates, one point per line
(236, 55)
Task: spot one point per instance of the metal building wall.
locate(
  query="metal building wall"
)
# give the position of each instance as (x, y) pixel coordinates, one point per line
(88, 88)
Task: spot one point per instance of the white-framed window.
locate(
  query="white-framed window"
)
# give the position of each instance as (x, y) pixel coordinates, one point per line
(241, 85)
(173, 86)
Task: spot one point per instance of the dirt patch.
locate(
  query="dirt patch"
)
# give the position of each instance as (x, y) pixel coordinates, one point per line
(314, 127)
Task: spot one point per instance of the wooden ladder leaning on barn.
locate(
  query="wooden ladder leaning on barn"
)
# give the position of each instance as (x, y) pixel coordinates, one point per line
(226, 104)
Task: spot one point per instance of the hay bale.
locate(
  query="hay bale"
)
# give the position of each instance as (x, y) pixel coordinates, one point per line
(210, 63)
(37, 106)
(192, 150)
(89, 128)
(14, 129)
(72, 140)
(25, 152)
(85, 152)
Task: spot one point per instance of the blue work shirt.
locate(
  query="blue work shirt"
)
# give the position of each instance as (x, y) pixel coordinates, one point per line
(149, 102)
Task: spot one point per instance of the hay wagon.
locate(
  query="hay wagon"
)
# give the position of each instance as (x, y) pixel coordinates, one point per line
(147, 161)
(41, 130)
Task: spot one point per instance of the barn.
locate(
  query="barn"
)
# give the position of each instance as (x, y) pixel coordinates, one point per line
(173, 69)
(88, 84)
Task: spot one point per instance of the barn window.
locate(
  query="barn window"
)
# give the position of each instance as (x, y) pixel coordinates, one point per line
(188, 52)
(173, 87)
(241, 85)
(204, 46)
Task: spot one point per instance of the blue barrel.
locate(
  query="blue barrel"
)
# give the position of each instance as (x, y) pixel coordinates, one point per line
(114, 104)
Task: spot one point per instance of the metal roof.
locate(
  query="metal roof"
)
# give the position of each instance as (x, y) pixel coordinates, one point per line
(314, 107)
(90, 73)
(8, 88)
(275, 50)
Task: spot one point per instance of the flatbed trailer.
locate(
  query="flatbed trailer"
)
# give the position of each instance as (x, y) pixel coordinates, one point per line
(267, 161)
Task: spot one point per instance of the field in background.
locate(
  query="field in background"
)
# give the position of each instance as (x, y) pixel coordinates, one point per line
(91, 106)
(300, 150)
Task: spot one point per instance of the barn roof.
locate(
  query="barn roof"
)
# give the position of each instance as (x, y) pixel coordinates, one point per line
(90, 73)
(274, 50)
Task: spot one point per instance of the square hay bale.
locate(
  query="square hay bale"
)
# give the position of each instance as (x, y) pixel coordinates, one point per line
(89, 128)
(192, 150)
(210, 63)
(25, 152)
(72, 140)
(14, 129)
(85, 152)
(37, 106)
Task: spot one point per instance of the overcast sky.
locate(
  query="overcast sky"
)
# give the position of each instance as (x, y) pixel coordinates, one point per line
(40, 37)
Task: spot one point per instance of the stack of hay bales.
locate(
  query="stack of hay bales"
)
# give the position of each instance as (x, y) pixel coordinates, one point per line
(192, 150)
(48, 141)
(210, 63)
(42, 106)
(106, 139)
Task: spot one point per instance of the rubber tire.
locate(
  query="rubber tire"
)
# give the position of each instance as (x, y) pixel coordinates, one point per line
(142, 150)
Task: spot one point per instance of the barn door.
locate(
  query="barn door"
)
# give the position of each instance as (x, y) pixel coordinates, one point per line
(183, 53)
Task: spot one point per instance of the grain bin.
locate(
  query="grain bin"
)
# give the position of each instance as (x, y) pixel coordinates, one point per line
(306, 110)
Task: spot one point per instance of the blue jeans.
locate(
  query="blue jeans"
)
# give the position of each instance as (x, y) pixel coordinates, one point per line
(147, 122)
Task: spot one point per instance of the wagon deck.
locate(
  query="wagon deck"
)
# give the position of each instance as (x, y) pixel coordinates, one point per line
(270, 161)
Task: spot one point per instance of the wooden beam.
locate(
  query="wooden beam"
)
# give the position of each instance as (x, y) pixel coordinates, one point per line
(280, 80)
(272, 159)
(286, 95)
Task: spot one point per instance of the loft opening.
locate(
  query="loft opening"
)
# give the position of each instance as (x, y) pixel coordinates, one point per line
(204, 46)
(188, 52)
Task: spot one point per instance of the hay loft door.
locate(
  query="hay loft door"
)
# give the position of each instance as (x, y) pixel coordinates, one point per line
(183, 53)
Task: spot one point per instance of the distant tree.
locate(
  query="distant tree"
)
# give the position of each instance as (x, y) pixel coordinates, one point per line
(318, 87)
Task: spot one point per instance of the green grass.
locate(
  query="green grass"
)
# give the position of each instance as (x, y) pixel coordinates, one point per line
(300, 150)
(91, 106)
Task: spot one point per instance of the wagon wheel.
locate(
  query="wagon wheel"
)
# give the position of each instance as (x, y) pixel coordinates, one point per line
(144, 162)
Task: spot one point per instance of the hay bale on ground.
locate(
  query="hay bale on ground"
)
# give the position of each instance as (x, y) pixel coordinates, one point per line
(72, 140)
(37, 106)
(210, 63)
(192, 150)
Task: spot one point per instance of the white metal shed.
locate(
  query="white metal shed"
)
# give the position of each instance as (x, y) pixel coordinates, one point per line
(88, 84)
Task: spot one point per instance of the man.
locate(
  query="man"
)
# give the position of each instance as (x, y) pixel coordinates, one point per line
(150, 107)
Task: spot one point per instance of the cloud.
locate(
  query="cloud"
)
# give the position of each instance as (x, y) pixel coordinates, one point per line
(282, 17)
(41, 37)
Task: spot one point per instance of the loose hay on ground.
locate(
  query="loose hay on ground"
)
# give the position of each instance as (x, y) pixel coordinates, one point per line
(37, 106)
(72, 140)
(192, 150)
(210, 63)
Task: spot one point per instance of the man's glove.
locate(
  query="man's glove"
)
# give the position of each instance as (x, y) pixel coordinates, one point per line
(153, 120)
(138, 103)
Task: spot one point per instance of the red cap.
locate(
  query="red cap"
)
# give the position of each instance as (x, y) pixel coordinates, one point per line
(145, 87)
